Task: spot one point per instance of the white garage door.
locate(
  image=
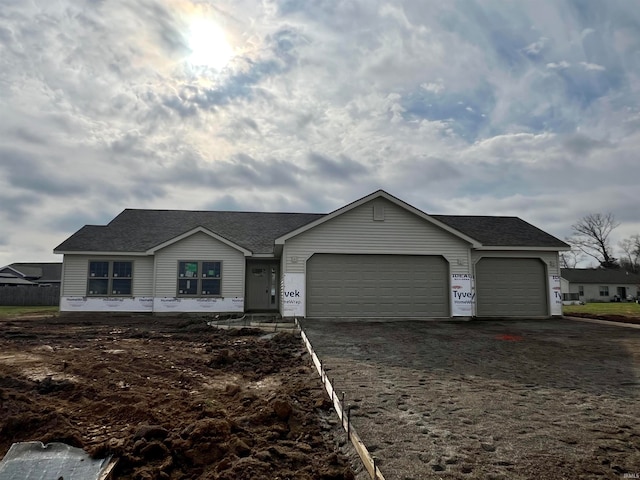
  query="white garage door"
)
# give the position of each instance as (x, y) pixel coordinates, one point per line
(377, 286)
(511, 287)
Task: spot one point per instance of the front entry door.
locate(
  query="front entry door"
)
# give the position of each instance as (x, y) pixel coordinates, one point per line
(262, 285)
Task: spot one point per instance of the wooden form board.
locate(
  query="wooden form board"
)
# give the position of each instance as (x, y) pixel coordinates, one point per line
(363, 452)
(106, 473)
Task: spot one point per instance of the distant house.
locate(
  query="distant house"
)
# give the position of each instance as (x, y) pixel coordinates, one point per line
(375, 257)
(598, 285)
(31, 274)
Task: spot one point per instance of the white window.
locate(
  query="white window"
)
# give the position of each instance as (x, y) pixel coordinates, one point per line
(110, 278)
(198, 278)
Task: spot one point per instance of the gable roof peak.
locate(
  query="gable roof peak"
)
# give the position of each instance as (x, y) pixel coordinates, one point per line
(367, 198)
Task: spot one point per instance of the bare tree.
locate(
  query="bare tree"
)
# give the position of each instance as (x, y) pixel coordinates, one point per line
(591, 236)
(571, 259)
(631, 249)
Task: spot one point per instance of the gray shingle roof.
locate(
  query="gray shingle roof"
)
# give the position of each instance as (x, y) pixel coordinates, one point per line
(600, 276)
(9, 280)
(42, 272)
(501, 231)
(140, 230)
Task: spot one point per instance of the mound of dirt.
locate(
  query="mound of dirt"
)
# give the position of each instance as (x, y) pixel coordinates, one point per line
(172, 399)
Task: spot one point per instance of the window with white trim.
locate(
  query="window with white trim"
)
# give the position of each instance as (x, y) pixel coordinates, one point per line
(570, 296)
(604, 291)
(110, 278)
(199, 278)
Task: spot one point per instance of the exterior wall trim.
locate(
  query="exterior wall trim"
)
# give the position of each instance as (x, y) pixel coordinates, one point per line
(449, 258)
(96, 253)
(523, 249)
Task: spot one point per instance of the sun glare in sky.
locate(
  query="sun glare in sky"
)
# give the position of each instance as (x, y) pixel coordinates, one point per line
(208, 44)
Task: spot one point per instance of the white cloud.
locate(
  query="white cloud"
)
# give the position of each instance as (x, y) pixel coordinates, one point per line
(558, 65)
(434, 87)
(592, 66)
(530, 110)
(537, 47)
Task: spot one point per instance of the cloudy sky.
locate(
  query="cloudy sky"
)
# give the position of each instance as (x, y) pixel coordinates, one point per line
(527, 108)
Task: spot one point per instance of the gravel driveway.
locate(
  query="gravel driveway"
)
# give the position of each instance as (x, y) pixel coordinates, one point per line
(502, 399)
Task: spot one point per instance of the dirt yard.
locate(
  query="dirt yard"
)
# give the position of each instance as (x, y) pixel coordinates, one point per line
(172, 398)
(499, 400)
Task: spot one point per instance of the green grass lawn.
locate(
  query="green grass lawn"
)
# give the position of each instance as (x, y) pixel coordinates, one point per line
(17, 311)
(622, 308)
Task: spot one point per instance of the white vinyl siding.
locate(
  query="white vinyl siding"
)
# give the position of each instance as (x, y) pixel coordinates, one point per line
(76, 268)
(199, 247)
(355, 231)
(592, 290)
(592, 293)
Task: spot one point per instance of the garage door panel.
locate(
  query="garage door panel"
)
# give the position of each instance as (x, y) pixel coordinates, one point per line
(377, 285)
(511, 287)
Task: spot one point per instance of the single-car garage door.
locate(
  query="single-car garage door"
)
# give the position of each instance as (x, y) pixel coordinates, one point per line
(511, 287)
(377, 286)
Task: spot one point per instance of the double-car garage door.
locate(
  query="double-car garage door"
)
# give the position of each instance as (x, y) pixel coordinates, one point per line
(377, 286)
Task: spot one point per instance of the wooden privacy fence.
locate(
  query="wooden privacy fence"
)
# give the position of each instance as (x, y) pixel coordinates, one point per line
(30, 296)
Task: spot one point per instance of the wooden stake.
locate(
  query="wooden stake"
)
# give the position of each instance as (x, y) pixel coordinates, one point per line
(368, 461)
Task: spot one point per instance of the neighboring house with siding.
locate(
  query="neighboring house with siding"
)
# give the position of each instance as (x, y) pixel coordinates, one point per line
(375, 257)
(598, 285)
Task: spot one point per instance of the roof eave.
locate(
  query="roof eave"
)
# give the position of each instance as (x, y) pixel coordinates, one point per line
(110, 253)
(521, 248)
(15, 271)
(16, 281)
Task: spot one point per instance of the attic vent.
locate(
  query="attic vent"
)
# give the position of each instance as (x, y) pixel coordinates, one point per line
(378, 213)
